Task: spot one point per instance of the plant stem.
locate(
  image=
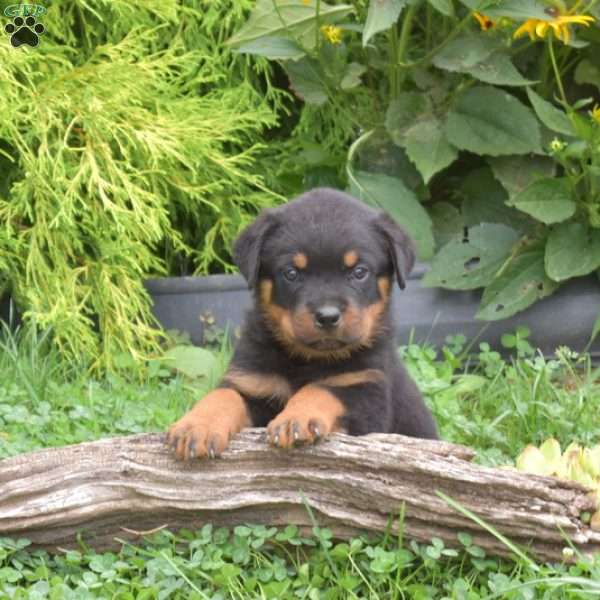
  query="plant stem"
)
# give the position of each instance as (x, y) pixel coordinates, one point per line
(393, 65)
(424, 60)
(556, 71)
(317, 28)
(428, 20)
(403, 44)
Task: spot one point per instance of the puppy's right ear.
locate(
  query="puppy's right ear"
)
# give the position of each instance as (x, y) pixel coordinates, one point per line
(248, 246)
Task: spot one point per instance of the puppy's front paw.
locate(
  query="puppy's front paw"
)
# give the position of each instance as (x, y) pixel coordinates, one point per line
(190, 437)
(310, 414)
(288, 429)
(208, 427)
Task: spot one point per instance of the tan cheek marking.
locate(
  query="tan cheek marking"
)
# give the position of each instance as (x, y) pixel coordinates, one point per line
(354, 378)
(350, 258)
(372, 316)
(266, 291)
(206, 429)
(300, 260)
(354, 322)
(304, 324)
(383, 285)
(311, 413)
(279, 318)
(257, 385)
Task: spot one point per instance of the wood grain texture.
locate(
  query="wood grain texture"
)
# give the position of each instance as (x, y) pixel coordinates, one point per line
(352, 483)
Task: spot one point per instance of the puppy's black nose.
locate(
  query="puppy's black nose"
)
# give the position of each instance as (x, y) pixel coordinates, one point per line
(327, 316)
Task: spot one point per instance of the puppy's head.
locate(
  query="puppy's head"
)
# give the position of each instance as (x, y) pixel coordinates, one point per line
(322, 267)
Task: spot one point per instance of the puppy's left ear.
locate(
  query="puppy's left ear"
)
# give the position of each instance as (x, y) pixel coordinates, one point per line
(247, 247)
(400, 247)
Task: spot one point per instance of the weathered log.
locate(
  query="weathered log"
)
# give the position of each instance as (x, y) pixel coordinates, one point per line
(116, 488)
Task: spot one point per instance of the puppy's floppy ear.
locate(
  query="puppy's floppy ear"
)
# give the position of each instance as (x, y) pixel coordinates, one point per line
(248, 245)
(400, 247)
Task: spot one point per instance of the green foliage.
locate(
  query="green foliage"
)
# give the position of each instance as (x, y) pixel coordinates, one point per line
(382, 191)
(497, 406)
(127, 152)
(472, 264)
(254, 561)
(454, 86)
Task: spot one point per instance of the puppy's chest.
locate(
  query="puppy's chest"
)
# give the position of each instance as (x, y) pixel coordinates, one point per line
(348, 374)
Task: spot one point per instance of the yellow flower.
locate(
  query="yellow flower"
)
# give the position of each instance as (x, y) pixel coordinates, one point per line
(484, 22)
(306, 2)
(332, 33)
(596, 113)
(559, 25)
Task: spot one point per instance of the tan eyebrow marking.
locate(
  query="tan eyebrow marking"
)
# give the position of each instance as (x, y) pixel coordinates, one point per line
(350, 258)
(300, 260)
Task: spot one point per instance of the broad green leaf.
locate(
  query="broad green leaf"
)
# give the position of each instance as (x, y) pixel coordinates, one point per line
(484, 201)
(516, 173)
(486, 120)
(403, 113)
(427, 146)
(351, 77)
(448, 222)
(499, 70)
(379, 154)
(382, 15)
(468, 384)
(572, 250)
(306, 79)
(391, 195)
(468, 265)
(521, 283)
(587, 72)
(446, 7)
(480, 57)
(192, 361)
(553, 118)
(273, 48)
(465, 52)
(284, 18)
(548, 200)
(520, 10)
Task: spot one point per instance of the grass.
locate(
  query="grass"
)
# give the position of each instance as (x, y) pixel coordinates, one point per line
(479, 399)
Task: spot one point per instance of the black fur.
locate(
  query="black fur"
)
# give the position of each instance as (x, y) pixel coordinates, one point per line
(323, 225)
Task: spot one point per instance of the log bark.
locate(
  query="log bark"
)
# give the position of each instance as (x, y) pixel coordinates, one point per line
(122, 487)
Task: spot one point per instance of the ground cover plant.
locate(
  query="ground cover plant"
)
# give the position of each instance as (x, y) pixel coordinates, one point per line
(495, 405)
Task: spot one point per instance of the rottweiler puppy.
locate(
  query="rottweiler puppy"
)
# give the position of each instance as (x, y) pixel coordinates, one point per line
(317, 352)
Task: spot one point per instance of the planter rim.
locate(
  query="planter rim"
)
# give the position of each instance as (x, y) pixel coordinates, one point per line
(221, 282)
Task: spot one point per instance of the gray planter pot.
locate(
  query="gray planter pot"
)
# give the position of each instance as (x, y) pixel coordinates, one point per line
(424, 314)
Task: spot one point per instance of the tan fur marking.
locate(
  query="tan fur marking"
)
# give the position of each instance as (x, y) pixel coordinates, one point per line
(266, 291)
(383, 285)
(372, 319)
(257, 385)
(353, 378)
(206, 429)
(300, 260)
(350, 258)
(311, 413)
(288, 327)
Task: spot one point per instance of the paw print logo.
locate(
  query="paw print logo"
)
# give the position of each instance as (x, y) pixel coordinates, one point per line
(24, 31)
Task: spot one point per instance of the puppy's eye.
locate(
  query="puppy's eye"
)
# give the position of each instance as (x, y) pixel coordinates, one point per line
(291, 274)
(360, 272)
